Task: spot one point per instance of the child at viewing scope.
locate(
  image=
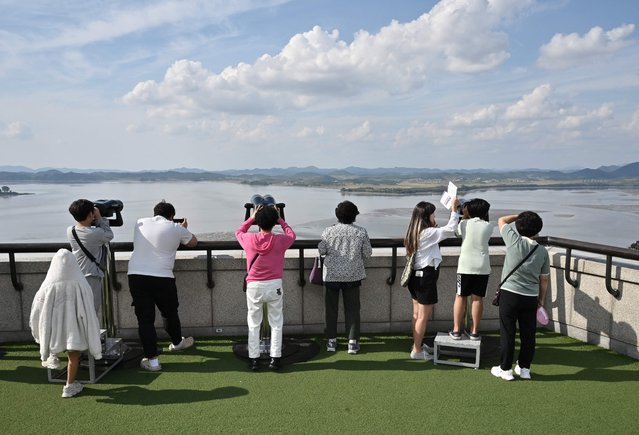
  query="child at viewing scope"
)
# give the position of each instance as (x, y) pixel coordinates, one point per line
(265, 266)
(422, 239)
(94, 233)
(473, 268)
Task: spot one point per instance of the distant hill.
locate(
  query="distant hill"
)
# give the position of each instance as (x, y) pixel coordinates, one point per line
(396, 180)
(10, 168)
(630, 170)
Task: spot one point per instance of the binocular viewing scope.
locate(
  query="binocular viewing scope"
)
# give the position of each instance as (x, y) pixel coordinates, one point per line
(109, 207)
(267, 201)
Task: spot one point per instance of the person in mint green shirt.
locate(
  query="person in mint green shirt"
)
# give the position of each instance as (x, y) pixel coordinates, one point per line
(522, 293)
(473, 268)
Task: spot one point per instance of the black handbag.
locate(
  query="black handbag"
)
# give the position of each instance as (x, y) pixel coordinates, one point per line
(495, 301)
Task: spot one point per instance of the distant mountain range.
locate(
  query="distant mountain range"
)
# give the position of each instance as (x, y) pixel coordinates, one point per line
(397, 180)
(614, 171)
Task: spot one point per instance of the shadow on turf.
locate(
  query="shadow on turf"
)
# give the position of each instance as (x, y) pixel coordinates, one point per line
(598, 365)
(134, 395)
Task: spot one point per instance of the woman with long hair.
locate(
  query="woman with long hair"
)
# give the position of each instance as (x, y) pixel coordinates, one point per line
(422, 239)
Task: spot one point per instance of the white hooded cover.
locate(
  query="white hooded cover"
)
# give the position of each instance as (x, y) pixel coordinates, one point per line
(62, 314)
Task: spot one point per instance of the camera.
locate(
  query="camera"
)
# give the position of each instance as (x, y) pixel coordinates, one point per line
(267, 201)
(178, 220)
(109, 207)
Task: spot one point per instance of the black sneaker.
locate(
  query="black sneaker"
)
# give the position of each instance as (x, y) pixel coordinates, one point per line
(254, 364)
(474, 337)
(274, 364)
(455, 335)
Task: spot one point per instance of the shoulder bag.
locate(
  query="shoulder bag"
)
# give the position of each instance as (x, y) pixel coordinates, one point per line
(495, 301)
(408, 270)
(315, 277)
(249, 269)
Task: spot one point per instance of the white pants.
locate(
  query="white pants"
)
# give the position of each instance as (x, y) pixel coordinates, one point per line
(259, 293)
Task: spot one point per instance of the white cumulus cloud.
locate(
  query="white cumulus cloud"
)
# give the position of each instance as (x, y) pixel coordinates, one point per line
(580, 120)
(633, 124)
(316, 67)
(358, 133)
(564, 51)
(534, 105)
(307, 132)
(480, 116)
(16, 130)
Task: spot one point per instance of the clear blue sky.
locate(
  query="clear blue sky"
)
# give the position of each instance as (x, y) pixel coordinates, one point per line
(217, 84)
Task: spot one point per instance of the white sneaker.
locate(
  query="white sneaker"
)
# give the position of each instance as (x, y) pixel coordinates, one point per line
(423, 355)
(331, 345)
(353, 347)
(53, 363)
(72, 389)
(522, 372)
(146, 365)
(506, 375)
(184, 344)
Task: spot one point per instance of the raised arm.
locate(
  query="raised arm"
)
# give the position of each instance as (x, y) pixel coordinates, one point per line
(288, 231)
(505, 220)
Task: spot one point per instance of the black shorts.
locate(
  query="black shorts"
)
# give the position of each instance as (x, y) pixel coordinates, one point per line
(472, 284)
(423, 288)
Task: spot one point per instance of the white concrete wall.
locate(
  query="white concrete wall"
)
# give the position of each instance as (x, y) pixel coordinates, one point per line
(588, 313)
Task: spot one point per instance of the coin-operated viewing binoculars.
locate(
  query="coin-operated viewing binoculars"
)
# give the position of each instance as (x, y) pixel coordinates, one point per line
(267, 201)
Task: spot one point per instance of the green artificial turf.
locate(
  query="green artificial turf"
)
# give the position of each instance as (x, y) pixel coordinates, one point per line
(576, 388)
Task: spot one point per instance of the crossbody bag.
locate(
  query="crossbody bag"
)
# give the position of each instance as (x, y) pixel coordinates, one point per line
(247, 272)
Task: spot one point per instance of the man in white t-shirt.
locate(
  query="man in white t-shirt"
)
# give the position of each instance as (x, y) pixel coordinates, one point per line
(151, 280)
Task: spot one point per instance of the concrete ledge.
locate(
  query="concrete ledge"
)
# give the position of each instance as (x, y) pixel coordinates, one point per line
(588, 313)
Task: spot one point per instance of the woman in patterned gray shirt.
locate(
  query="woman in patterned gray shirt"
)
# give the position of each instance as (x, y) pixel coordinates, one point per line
(344, 246)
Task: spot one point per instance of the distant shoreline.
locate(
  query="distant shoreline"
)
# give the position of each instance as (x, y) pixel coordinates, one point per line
(400, 191)
(379, 188)
(354, 180)
(8, 194)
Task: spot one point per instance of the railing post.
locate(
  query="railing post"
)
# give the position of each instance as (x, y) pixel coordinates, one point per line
(14, 274)
(615, 293)
(569, 280)
(301, 281)
(114, 276)
(209, 270)
(391, 279)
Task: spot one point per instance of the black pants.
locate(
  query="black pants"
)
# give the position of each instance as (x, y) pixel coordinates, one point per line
(147, 293)
(350, 293)
(515, 308)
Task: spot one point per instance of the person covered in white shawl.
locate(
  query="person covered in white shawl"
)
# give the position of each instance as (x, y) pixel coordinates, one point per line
(63, 316)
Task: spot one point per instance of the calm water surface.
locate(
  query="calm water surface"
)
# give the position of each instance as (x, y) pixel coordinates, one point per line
(214, 209)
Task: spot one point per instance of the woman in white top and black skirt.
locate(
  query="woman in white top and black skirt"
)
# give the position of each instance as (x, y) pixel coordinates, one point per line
(422, 239)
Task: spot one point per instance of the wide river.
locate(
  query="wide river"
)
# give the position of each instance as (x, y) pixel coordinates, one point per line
(215, 209)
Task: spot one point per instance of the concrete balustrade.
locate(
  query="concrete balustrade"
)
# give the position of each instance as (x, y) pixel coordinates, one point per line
(588, 313)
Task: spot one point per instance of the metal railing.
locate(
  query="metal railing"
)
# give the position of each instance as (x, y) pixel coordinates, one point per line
(394, 244)
(593, 248)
